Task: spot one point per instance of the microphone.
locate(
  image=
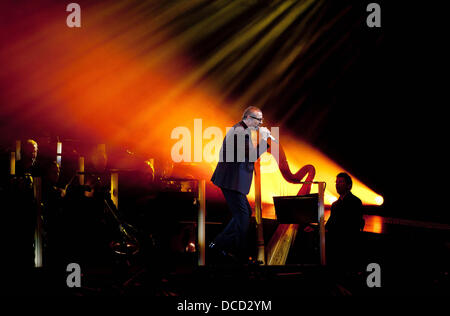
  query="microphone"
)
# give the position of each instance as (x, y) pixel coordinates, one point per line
(272, 138)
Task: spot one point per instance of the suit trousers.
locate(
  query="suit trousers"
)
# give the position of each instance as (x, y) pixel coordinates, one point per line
(234, 237)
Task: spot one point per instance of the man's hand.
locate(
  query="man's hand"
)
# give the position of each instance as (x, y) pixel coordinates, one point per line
(265, 133)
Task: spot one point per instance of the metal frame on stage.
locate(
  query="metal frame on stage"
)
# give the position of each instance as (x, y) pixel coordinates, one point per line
(261, 257)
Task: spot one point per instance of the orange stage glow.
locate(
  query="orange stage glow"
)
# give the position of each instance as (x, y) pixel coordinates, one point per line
(374, 224)
(130, 87)
(299, 154)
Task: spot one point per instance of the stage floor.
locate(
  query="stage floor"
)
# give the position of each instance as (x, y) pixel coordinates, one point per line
(412, 260)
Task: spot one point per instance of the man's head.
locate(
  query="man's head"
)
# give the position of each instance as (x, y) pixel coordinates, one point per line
(52, 172)
(29, 152)
(252, 117)
(343, 183)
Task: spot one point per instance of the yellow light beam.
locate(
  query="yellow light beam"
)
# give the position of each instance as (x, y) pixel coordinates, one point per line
(271, 36)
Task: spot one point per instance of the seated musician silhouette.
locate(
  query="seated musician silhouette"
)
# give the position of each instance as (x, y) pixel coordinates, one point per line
(344, 225)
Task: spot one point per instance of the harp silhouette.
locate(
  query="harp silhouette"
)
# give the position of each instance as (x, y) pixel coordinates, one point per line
(279, 245)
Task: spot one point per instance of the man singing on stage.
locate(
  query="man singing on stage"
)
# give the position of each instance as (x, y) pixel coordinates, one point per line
(233, 175)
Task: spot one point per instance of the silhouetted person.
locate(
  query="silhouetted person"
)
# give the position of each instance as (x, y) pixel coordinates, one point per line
(28, 165)
(52, 199)
(344, 226)
(19, 217)
(233, 175)
(85, 234)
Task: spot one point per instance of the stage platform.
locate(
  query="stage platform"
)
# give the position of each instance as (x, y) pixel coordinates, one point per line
(411, 262)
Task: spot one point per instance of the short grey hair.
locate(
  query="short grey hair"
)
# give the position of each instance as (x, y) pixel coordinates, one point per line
(249, 110)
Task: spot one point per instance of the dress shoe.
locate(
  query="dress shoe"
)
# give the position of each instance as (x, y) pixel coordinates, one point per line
(221, 256)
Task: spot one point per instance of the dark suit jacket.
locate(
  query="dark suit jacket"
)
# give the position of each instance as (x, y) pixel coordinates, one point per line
(346, 216)
(237, 157)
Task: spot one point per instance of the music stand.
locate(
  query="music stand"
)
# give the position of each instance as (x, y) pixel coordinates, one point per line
(299, 209)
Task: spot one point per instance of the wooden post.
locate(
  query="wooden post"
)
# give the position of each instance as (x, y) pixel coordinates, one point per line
(58, 153)
(321, 217)
(18, 147)
(12, 164)
(38, 239)
(201, 222)
(81, 170)
(115, 188)
(258, 214)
